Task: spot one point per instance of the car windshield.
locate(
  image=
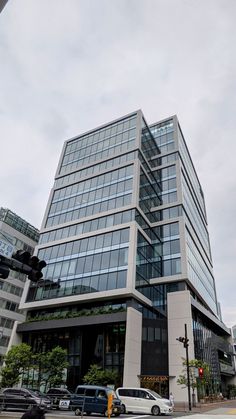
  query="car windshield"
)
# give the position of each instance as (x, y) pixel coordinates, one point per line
(155, 394)
(35, 393)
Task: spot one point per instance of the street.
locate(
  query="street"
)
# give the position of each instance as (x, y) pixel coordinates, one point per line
(224, 410)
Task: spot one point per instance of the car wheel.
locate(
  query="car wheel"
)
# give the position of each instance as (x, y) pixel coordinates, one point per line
(88, 413)
(156, 411)
(106, 413)
(123, 409)
(77, 412)
(117, 414)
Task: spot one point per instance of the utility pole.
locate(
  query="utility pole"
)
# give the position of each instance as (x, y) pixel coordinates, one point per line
(185, 342)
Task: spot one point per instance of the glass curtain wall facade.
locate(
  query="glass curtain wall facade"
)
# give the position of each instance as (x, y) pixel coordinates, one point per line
(125, 225)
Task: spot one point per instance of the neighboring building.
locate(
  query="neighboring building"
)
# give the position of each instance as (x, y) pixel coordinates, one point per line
(234, 337)
(126, 242)
(20, 235)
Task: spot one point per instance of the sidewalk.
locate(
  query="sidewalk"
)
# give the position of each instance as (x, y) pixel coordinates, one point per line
(205, 407)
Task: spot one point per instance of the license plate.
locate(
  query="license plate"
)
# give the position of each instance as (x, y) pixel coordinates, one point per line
(64, 404)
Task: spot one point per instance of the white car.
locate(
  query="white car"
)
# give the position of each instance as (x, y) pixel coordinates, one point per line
(143, 400)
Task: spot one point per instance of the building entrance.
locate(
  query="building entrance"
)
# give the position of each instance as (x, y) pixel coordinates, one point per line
(158, 383)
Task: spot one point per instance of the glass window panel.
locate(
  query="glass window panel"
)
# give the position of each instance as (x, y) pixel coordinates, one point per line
(123, 253)
(94, 283)
(174, 228)
(114, 258)
(112, 278)
(72, 267)
(65, 267)
(97, 262)
(124, 236)
(84, 245)
(80, 266)
(102, 282)
(107, 240)
(121, 279)
(88, 263)
(99, 242)
(175, 246)
(115, 237)
(105, 260)
(57, 270)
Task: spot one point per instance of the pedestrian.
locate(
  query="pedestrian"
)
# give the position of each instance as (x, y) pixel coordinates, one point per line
(171, 399)
(34, 413)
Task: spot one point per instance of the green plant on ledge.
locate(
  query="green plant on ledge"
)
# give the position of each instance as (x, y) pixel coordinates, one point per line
(72, 314)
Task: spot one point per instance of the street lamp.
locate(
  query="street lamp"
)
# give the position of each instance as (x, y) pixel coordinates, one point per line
(185, 342)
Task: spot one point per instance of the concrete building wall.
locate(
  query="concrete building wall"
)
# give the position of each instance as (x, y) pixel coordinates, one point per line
(133, 341)
(179, 314)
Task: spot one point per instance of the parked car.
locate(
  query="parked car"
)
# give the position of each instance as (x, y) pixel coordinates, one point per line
(22, 398)
(143, 400)
(57, 395)
(94, 399)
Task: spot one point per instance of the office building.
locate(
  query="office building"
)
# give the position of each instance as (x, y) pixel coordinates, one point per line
(15, 234)
(126, 243)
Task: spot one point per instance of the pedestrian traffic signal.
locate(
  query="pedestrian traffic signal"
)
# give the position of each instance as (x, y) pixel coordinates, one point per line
(200, 372)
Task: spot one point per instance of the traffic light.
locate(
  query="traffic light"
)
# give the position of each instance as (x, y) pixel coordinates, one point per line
(22, 256)
(31, 265)
(37, 266)
(4, 271)
(200, 372)
(183, 340)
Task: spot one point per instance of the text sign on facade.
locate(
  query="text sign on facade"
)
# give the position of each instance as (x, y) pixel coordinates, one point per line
(6, 249)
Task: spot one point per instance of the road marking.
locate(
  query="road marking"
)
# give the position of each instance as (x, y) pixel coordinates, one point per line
(231, 412)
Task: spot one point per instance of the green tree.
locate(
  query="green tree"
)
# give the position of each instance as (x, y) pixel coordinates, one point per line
(55, 363)
(97, 376)
(17, 361)
(195, 382)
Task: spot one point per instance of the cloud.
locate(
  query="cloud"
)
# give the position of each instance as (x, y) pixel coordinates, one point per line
(67, 67)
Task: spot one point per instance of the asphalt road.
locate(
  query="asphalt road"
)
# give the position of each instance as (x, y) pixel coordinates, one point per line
(226, 410)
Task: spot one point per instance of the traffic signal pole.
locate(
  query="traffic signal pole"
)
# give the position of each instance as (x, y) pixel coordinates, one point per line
(184, 340)
(188, 371)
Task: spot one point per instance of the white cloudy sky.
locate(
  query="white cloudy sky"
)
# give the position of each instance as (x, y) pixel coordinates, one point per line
(67, 66)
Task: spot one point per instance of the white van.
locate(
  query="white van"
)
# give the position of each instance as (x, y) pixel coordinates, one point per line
(143, 400)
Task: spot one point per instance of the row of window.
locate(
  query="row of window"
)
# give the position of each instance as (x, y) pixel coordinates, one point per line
(109, 164)
(88, 226)
(100, 134)
(169, 213)
(12, 289)
(93, 197)
(109, 204)
(8, 305)
(4, 341)
(162, 128)
(85, 246)
(98, 146)
(170, 158)
(119, 148)
(84, 266)
(96, 283)
(18, 224)
(93, 184)
(6, 323)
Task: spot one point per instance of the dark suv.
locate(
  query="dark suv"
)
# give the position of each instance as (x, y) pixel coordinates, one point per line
(57, 394)
(22, 398)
